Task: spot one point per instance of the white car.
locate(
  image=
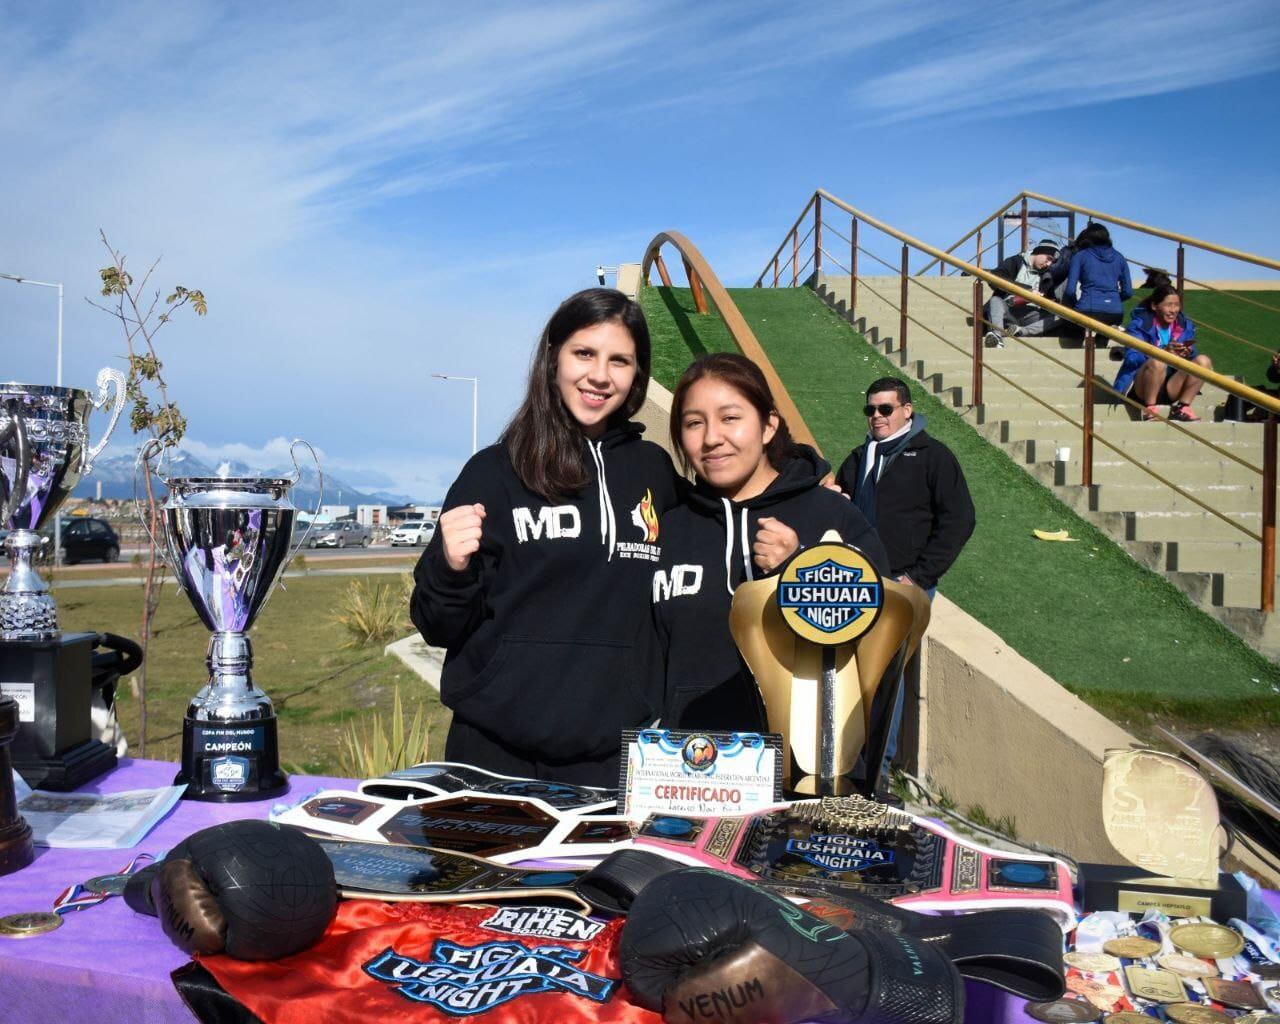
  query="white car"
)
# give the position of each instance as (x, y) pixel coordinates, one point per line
(415, 533)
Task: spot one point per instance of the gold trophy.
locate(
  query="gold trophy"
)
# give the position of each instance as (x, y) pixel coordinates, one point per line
(821, 637)
(1161, 815)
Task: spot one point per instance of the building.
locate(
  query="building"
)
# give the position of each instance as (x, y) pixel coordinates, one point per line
(372, 516)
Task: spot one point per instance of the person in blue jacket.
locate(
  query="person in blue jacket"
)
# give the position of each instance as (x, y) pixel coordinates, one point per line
(1160, 321)
(1100, 274)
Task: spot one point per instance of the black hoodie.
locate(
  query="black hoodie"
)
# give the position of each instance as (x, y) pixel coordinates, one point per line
(706, 553)
(547, 630)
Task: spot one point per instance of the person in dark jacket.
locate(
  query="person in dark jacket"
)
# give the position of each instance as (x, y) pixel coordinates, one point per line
(1098, 281)
(537, 580)
(1011, 315)
(1159, 321)
(909, 486)
(758, 498)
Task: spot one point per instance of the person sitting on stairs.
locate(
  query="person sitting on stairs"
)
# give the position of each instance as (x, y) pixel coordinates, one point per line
(1159, 321)
(1011, 315)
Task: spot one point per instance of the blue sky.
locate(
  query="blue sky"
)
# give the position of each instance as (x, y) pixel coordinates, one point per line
(371, 193)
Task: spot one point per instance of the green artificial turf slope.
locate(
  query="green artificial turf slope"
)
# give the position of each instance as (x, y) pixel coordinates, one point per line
(1118, 635)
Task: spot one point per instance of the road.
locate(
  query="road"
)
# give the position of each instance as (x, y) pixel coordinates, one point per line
(319, 562)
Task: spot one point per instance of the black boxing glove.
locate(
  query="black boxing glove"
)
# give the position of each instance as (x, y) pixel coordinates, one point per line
(250, 889)
(702, 946)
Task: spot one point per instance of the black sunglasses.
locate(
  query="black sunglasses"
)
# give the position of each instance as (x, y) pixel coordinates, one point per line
(884, 410)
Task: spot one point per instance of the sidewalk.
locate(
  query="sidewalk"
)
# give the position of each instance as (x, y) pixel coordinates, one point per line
(424, 660)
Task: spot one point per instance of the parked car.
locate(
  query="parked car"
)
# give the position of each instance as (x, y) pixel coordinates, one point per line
(340, 535)
(413, 532)
(89, 538)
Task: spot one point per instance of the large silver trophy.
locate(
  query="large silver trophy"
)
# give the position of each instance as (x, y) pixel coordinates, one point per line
(44, 451)
(227, 540)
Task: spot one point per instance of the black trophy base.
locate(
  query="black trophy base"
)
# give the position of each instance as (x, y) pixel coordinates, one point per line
(1134, 891)
(68, 770)
(230, 762)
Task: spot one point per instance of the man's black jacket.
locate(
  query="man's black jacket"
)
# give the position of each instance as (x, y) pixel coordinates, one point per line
(924, 513)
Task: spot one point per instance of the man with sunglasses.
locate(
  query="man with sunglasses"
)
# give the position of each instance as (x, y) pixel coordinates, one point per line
(911, 489)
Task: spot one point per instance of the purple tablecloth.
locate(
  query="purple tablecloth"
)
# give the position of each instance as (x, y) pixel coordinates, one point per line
(108, 965)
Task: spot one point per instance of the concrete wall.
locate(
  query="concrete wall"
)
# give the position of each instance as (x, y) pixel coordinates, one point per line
(997, 732)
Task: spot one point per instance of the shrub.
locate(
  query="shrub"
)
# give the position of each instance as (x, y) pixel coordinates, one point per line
(379, 748)
(371, 614)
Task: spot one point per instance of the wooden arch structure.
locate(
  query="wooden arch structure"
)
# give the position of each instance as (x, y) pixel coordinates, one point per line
(706, 286)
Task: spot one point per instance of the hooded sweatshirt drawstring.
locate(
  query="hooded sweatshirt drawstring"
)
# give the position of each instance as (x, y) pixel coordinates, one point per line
(728, 546)
(608, 525)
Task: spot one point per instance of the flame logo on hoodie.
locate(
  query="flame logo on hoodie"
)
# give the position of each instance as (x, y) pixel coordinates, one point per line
(645, 517)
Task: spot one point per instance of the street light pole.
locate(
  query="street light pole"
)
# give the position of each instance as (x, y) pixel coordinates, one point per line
(57, 518)
(475, 403)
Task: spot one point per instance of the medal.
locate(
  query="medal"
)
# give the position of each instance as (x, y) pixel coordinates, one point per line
(1126, 1017)
(1156, 986)
(1215, 941)
(1093, 963)
(1100, 992)
(1194, 1013)
(1062, 1010)
(1187, 966)
(32, 923)
(108, 885)
(1240, 994)
(1131, 947)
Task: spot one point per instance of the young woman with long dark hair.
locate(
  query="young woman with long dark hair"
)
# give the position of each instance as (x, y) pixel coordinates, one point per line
(537, 580)
(757, 498)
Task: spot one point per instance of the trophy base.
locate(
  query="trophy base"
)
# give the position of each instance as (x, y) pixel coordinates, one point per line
(16, 850)
(1132, 890)
(230, 762)
(69, 769)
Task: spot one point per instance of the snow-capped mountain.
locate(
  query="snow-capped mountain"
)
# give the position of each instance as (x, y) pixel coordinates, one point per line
(115, 473)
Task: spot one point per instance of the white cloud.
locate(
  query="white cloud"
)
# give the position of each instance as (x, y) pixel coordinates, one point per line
(1021, 58)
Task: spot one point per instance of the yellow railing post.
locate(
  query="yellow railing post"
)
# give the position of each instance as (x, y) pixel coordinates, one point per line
(977, 256)
(1026, 228)
(902, 308)
(817, 237)
(1086, 453)
(1269, 515)
(978, 332)
(853, 264)
(795, 256)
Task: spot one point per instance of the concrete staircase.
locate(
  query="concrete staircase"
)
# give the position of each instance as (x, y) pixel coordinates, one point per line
(1214, 563)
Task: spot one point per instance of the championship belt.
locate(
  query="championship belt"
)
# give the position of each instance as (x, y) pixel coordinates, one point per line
(838, 845)
(444, 778)
(416, 874)
(500, 828)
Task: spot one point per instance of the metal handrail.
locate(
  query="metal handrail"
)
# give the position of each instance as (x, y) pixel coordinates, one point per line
(702, 279)
(1261, 399)
(1110, 218)
(1172, 236)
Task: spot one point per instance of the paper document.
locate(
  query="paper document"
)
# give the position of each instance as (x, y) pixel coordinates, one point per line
(96, 821)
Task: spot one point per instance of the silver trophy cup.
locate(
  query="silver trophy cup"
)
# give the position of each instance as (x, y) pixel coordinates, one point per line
(44, 451)
(227, 540)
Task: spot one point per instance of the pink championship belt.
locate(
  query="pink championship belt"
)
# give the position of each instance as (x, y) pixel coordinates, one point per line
(843, 844)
